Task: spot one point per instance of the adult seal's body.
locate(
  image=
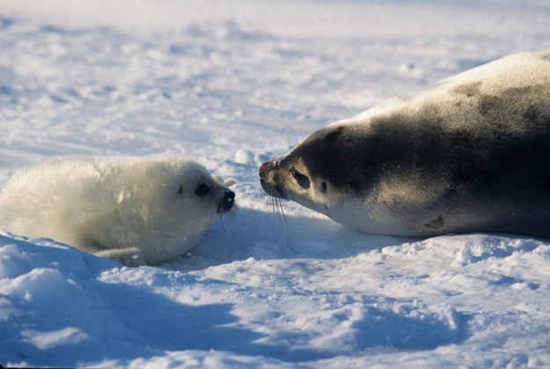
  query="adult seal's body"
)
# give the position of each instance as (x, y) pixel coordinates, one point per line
(134, 210)
(470, 154)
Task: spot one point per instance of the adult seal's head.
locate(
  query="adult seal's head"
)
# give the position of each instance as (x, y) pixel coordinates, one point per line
(326, 167)
(469, 154)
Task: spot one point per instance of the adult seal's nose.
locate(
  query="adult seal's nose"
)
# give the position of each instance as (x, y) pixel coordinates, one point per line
(265, 168)
(268, 178)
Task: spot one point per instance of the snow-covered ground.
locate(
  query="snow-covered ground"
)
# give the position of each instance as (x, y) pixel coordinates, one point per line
(232, 84)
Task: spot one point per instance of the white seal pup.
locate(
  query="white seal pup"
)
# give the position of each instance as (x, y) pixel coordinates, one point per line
(147, 210)
(470, 154)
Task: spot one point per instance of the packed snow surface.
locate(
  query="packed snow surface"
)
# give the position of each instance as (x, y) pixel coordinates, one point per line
(232, 84)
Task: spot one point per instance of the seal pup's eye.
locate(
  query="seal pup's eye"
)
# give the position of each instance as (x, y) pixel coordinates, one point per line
(202, 190)
(180, 190)
(302, 180)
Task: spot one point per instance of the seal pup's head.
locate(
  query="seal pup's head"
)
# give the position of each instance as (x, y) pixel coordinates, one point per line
(154, 208)
(165, 206)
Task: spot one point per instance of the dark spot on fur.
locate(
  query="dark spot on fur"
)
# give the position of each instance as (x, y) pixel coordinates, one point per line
(487, 103)
(333, 136)
(436, 223)
(324, 187)
(355, 185)
(547, 183)
(532, 114)
(468, 89)
(517, 91)
(515, 107)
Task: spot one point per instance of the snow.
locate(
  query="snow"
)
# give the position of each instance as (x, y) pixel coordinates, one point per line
(232, 84)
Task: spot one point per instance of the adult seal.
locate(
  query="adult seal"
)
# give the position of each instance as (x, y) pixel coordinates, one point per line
(146, 210)
(470, 154)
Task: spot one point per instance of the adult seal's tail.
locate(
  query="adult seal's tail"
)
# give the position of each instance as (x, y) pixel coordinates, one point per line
(472, 153)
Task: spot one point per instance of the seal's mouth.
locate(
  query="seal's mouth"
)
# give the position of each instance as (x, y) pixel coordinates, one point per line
(267, 179)
(227, 202)
(272, 190)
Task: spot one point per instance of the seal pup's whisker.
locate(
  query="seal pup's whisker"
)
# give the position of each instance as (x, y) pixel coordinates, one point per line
(231, 215)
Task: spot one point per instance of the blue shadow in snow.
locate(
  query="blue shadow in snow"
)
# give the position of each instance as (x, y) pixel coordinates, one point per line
(269, 235)
(121, 323)
(405, 331)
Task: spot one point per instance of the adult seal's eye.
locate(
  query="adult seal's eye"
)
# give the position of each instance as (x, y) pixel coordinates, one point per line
(302, 180)
(202, 190)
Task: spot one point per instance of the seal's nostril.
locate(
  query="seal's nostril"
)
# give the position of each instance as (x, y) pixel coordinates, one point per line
(227, 202)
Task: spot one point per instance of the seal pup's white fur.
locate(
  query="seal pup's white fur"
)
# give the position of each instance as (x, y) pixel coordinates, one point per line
(133, 210)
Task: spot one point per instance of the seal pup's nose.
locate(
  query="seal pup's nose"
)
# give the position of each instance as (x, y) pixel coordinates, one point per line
(227, 202)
